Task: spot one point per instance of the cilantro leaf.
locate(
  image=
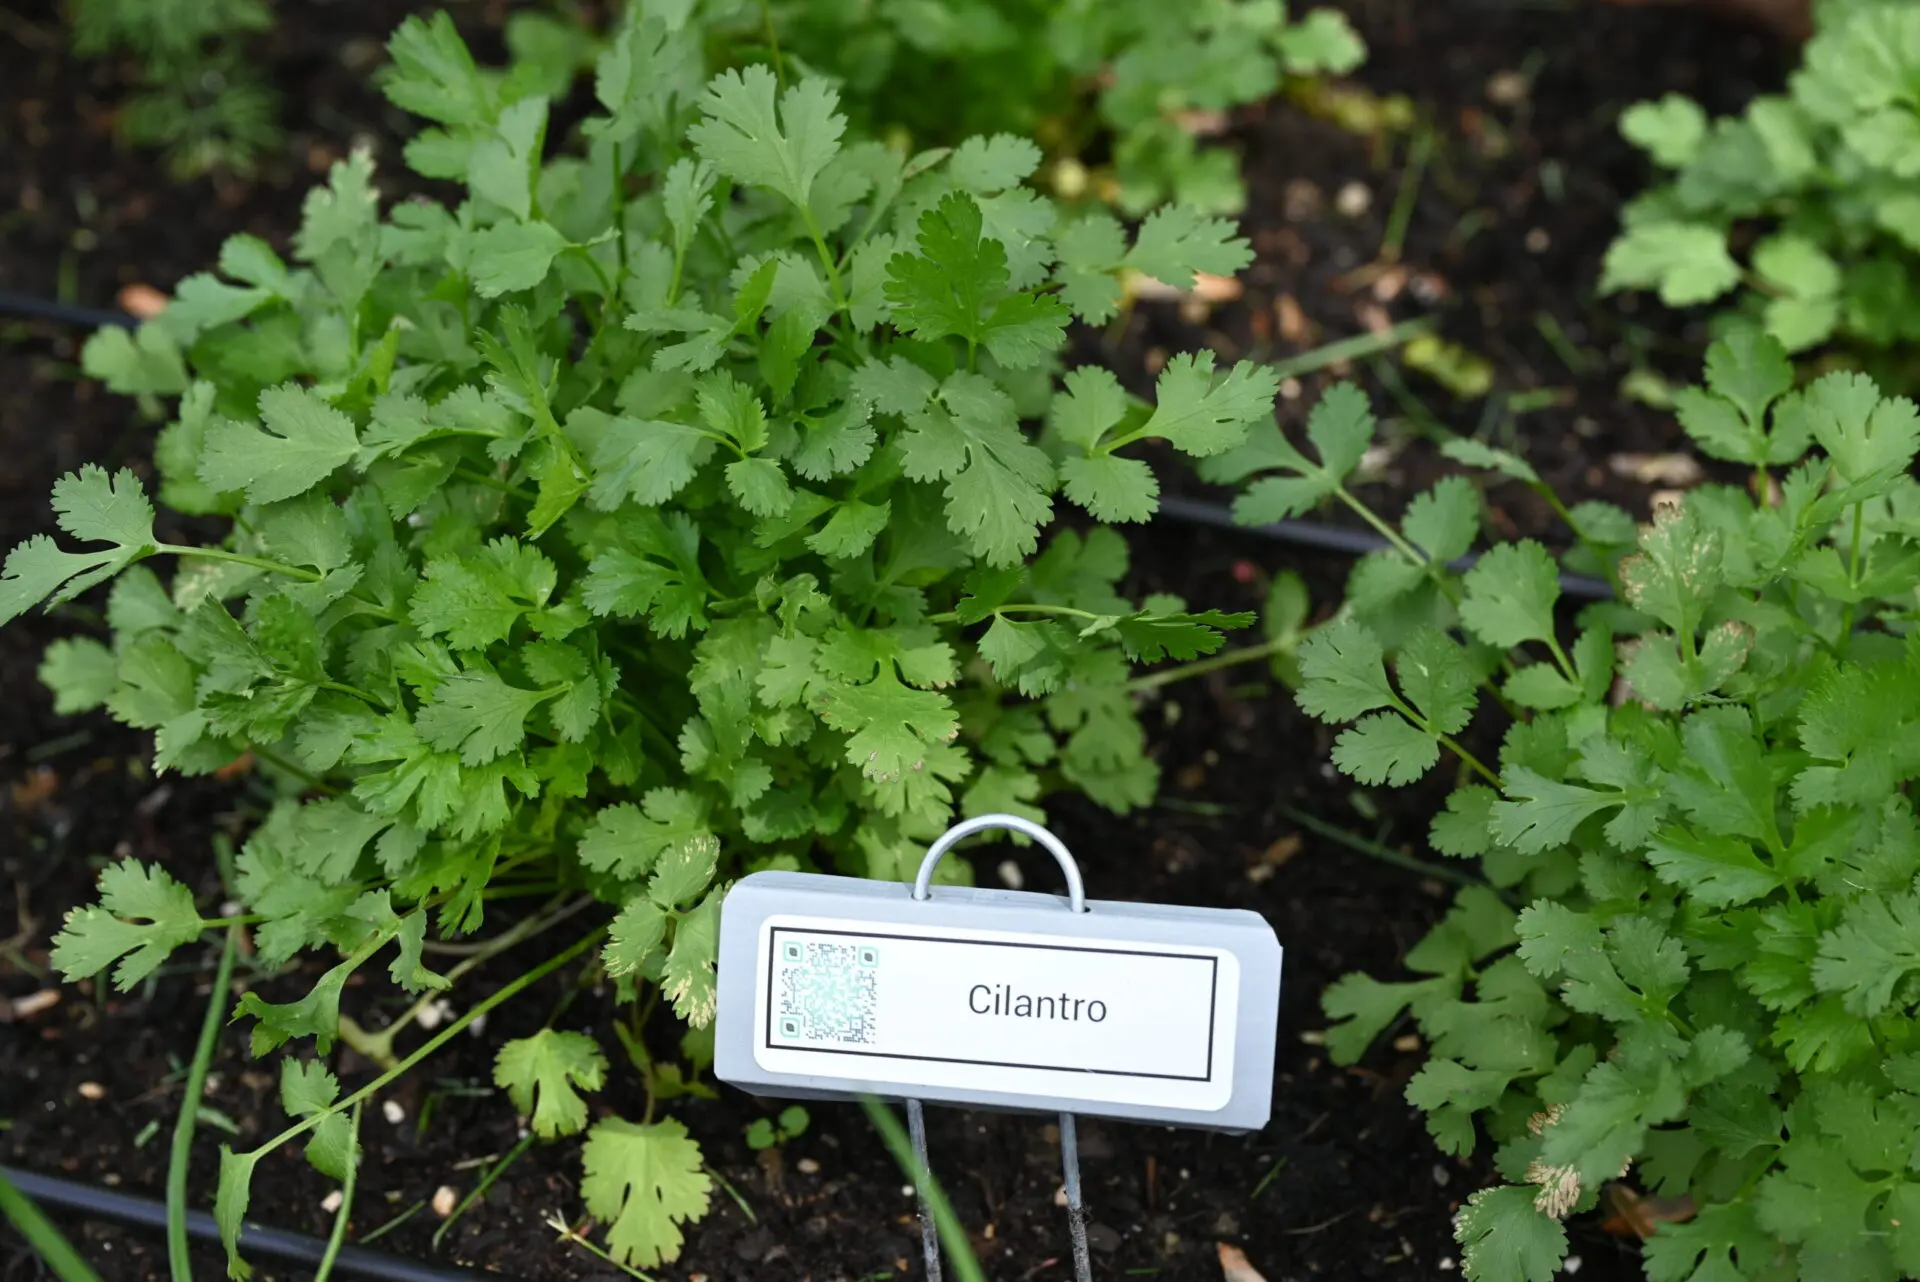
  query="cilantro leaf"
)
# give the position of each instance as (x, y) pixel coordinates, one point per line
(91, 505)
(747, 139)
(997, 482)
(542, 1075)
(1511, 593)
(478, 715)
(1203, 416)
(643, 1182)
(957, 286)
(143, 915)
(1505, 1239)
(306, 440)
(628, 840)
(1687, 263)
(1340, 427)
(1176, 241)
(307, 1089)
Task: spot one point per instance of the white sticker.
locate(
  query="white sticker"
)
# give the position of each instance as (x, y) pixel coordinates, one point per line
(1115, 1021)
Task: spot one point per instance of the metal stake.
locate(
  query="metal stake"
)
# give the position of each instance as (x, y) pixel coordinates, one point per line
(929, 1235)
(1076, 1209)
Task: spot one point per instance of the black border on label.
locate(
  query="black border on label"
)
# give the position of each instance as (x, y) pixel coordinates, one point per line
(1213, 999)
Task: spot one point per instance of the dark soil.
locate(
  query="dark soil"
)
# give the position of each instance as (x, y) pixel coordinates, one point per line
(1343, 1183)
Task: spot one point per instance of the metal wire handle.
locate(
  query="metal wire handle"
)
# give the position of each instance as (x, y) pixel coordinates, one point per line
(1069, 1130)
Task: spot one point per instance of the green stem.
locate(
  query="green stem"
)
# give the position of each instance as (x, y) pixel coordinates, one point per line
(953, 1235)
(180, 1265)
(340, 1217)
(1435, 571)
(1560, 657)
(494, 1172)
(42, 1237)
(1374, 850)
(1472, 762)
(1418, 153)
(1853, 577)
(1594, 550)
(1355, 348)
(378, 1047)
(840, 302)
(504, 993)
(773, 43)
(1213, 663)
(237, 558)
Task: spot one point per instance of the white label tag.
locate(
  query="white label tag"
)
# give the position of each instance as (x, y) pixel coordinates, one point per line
(1110, 1020)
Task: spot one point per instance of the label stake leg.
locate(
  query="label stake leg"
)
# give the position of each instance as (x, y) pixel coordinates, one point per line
(1076, 1208)
(929, 1236)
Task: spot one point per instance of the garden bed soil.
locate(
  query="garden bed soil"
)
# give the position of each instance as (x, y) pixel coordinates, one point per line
(1507, 226)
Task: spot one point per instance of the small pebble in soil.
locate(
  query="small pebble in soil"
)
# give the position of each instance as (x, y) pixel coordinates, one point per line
(1353, 200)
(1572, 1265)
(906, 1190)
(92, 1090)
(444, 1200)
(1010, 875)
(807, 1166)
(1407, 1043)
(1538, 241)
(1446, 1264)
(331, 1202)
(392, 1111)
(1440, 1175)
(1507, 88)
(1226, 1225)
(1103, 1239)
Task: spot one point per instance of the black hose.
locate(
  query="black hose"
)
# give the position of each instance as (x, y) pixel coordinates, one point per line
(1308, 534)
(146, 1212)
(1352, 542)
(31, 308)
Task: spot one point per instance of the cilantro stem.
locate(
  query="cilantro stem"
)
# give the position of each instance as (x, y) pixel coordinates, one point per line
(179, 1264)
(773, 43)
(1213, 663)
(341, 1216)
(479, 1190)
(1435, 571)
(840, 301)
(1594, 550)
(378, 1047)
(1375, 850)
(1853, 578)
(238, 558)
(504, 993)
(1560, 657)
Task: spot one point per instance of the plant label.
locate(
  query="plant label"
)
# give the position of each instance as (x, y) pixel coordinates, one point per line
(834, 986)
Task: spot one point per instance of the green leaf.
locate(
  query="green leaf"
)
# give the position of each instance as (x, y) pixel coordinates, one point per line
(80, 672)
(307, 1089)
(91, 505)
(1112, 488)
(1868, 956)
(1511, 593)
(511, 256)
(687, 978)
(643, 1182)
(745, 138)
(478, 715)
(985, 165)
(1504, 1239)
(683, 871)
(1175, 241)
(628, 840)
(230, 1204)
(540, 1074)
(890, 727)
(957, 286)
(635, 937)
(143, 915)
(433, 75)
(1202, 416)
(306, 439)
(1385, 748)
(1687, 263)
(146, 362)
(1342, 672)
(1340, 427)
(1670, 130)
(1464, 449)
(997, 482)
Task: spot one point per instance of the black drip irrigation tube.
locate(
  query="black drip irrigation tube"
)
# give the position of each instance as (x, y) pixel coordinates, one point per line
(296, 1248)
(28, 307)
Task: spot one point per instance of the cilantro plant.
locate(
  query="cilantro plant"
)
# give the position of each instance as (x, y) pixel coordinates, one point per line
(1128, 78)
(199, 100)
(1826, 171)
(1695, 960)
(667, 508)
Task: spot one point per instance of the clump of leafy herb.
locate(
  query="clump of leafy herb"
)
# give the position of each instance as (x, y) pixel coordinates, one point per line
(655, 514)
(1696, 960)
(1827, 169)
(199, 100)
(1143, 74)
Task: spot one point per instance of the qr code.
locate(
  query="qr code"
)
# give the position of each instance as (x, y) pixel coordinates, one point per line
(828, 992)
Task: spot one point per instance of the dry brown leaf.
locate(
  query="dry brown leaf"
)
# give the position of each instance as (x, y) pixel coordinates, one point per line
(1234, 1266)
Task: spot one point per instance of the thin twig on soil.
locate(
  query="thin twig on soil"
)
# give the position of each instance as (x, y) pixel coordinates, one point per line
(1374, 850)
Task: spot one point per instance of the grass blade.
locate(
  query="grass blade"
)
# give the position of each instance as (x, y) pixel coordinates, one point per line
(178, 1262)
